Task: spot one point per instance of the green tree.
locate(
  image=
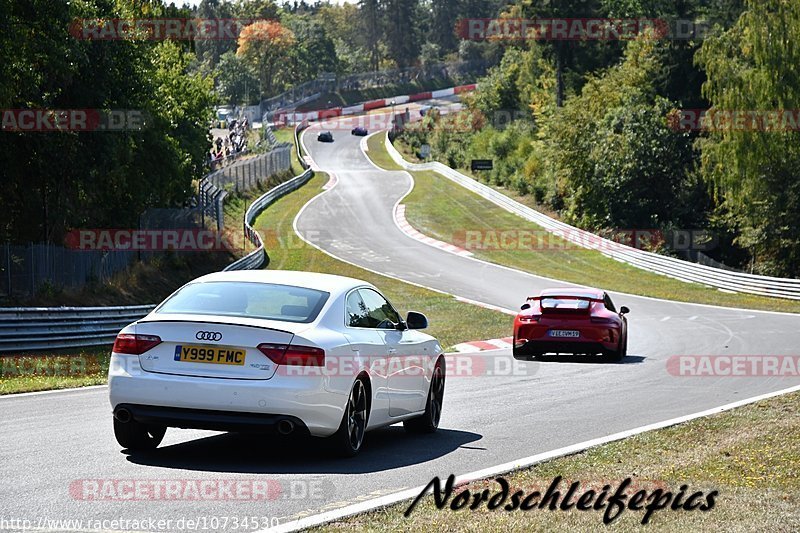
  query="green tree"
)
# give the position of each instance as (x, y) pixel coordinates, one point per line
(615, 160)
(402, 27)
(372, 17)
(444, 14)
(349, 38)
(209, 51)
(266, 47)
(236, 82)
(753, 67)
(313, 52)
(53, 182)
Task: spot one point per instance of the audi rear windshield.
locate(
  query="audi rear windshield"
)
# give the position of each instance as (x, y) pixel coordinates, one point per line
(247, 300)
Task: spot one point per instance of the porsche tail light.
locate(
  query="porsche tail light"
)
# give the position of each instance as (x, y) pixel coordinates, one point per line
(602, 320)
(529, 318)
(129, 343)
(290, 355)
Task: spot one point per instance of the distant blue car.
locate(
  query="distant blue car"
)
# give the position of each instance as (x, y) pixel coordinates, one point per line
(358, 130)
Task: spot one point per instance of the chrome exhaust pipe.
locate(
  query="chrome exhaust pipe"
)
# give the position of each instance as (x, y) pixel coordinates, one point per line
(285, 427)
(123, 415)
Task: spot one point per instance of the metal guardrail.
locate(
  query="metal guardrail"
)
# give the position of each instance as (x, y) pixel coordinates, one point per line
(258, 258)
(738, 282)
(39, 328)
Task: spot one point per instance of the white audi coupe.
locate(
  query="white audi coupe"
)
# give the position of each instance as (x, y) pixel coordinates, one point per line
(274, 351)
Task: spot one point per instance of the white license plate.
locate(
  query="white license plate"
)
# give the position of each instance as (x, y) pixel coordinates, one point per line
(564, 333)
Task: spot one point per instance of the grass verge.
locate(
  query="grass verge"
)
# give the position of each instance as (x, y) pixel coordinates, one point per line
(288, 252)
(286, 135)
(750, 455)
(58, 370)
(441, 209)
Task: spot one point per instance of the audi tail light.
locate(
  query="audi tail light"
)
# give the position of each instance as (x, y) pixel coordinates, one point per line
(132, 344)
(291, 355)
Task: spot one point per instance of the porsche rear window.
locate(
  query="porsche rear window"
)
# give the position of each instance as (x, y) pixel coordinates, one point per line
(565, 303)
(248, 300)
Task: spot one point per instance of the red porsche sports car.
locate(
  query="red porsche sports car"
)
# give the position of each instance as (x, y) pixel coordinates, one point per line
(571, 321)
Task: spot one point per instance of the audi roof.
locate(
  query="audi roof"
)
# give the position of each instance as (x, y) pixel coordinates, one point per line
(322, 282)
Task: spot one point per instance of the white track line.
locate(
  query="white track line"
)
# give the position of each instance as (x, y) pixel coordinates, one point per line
(384, 501)
(52, 391)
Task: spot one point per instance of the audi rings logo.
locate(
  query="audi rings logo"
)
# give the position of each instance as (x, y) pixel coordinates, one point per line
(208, 336)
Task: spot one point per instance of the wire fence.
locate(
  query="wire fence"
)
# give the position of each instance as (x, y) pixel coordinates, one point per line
(27, 269)
(246, 174)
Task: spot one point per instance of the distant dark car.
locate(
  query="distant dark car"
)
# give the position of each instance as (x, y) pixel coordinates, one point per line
(325, 137)
(358, 130)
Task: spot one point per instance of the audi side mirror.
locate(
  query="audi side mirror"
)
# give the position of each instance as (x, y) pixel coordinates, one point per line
(416, 320)
(624, 310)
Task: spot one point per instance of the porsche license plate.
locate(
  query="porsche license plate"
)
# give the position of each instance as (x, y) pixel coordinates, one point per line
(571, 333)
(219, 355)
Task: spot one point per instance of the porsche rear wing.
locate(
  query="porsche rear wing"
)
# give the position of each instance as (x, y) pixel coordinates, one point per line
(559, 297)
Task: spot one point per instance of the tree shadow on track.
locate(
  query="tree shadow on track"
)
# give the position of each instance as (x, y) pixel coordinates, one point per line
(384, 449)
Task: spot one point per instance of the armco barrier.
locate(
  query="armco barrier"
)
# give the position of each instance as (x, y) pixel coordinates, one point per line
(652, 262)
(42, 328)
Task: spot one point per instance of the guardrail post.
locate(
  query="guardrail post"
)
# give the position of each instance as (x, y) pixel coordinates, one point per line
(33, 274)
(8, 267)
